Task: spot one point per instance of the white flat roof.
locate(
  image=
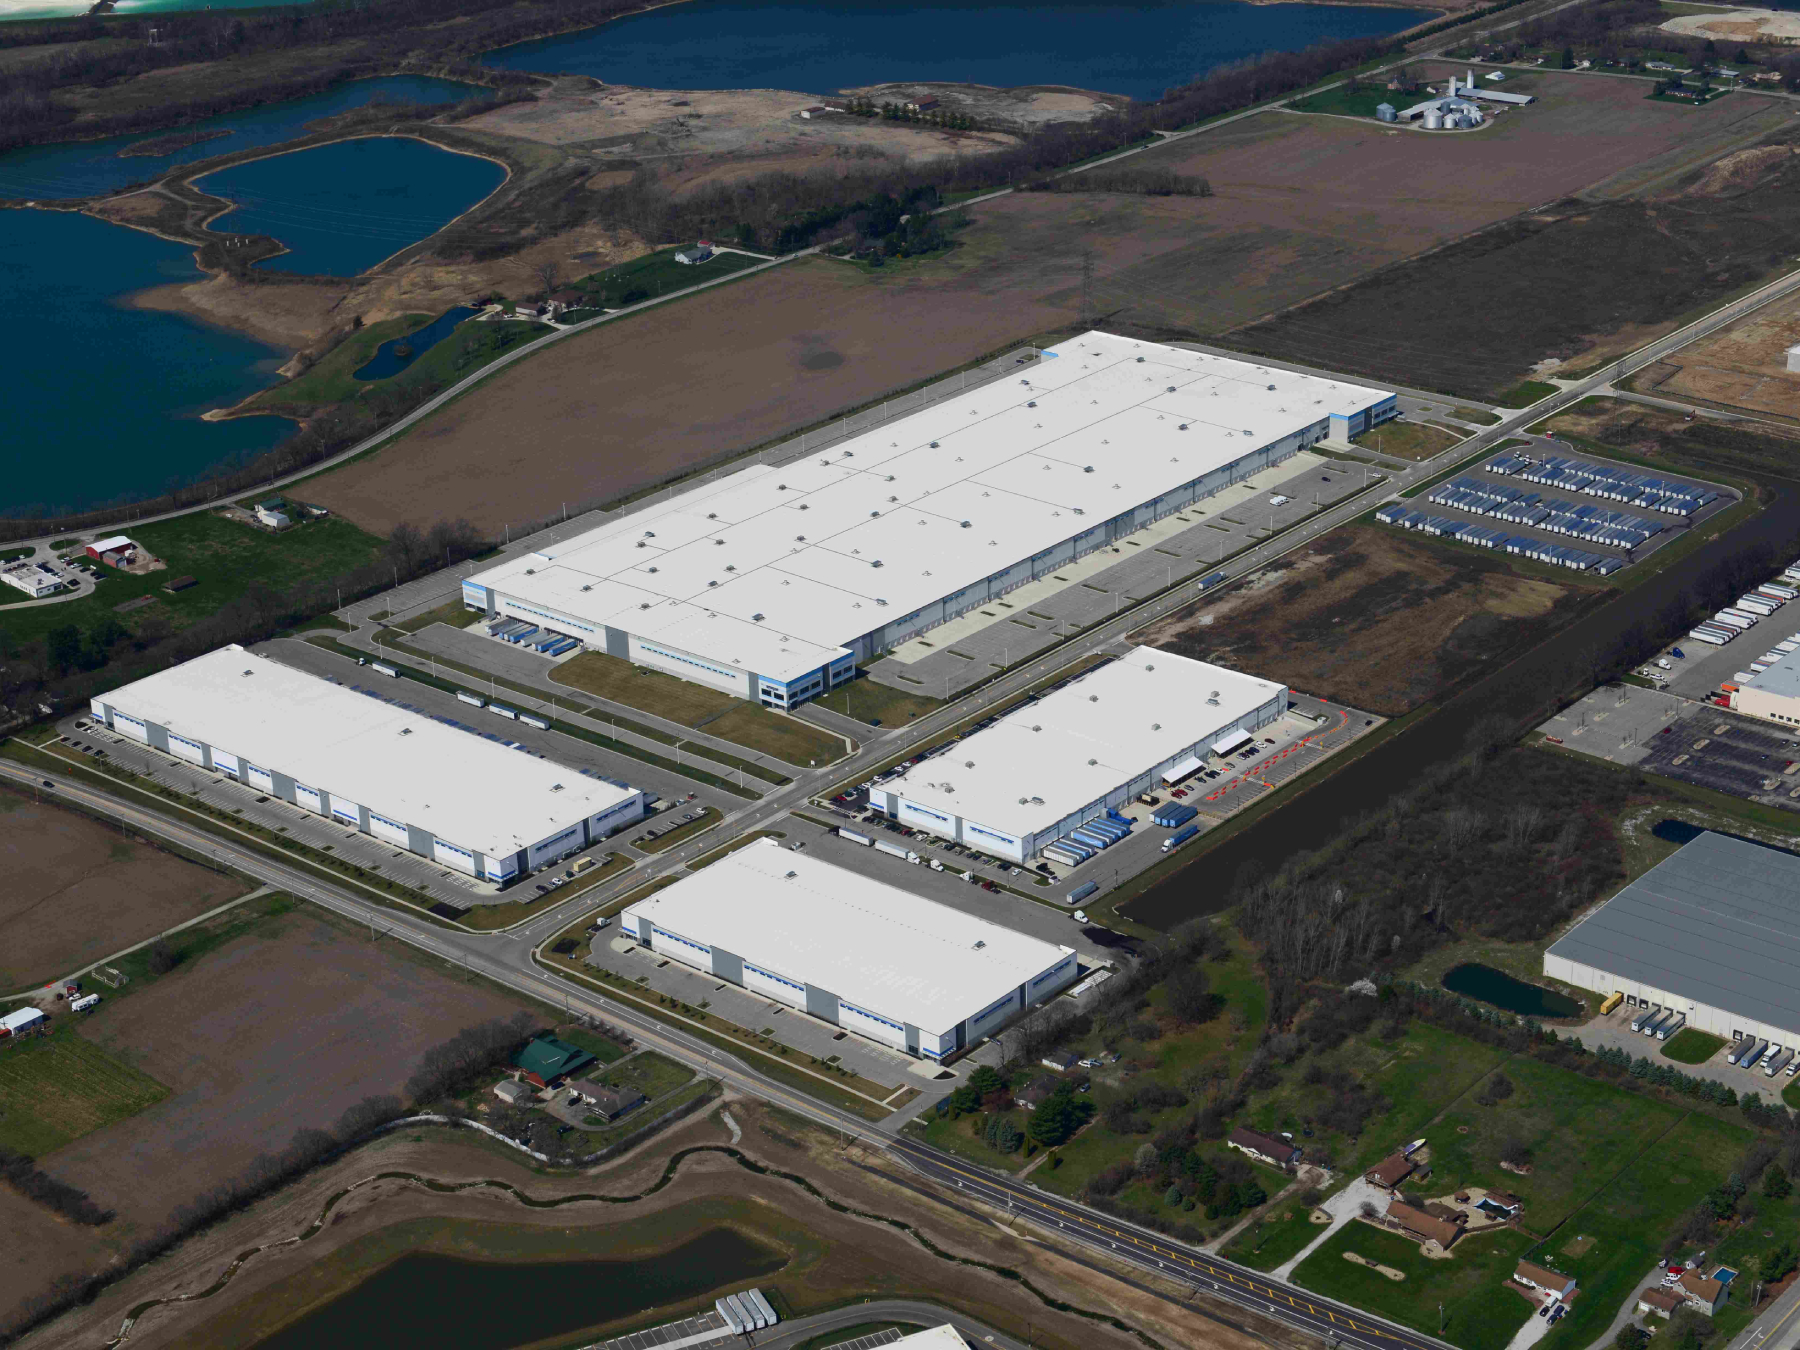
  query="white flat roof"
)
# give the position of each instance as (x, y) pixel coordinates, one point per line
(463, 789)
(1073, 746)
(778, 569)
(872, 944)
(945, 1337)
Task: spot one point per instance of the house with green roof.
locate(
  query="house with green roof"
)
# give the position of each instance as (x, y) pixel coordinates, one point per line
(546, 1060)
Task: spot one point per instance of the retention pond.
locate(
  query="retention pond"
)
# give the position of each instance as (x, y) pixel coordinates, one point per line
(1476, 981)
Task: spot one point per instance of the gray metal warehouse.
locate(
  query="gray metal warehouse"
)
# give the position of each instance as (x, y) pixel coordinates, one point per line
(1712, 931)
(468, 803)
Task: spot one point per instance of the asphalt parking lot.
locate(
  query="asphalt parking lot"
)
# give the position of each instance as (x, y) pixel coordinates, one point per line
(1713, 748)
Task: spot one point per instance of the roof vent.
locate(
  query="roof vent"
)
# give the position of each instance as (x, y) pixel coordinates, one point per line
(1182, 427)
(556, 787)
(1092, 762)
(712, 583)
(652, 569)
(712, 515)
(1171, 389)
(965, 524)
(1213, 698)
(1088, 468)
(642, 544)
(731, 567)
(1140, 360)
(406, 731)
(874, 513)
(1032, 404)
(649, 534)
(1156, 726)
(756, 618)
(968, 764)
(1093, 698)
(875, 562)
(792, 875)
(934, 445)
(979, 944)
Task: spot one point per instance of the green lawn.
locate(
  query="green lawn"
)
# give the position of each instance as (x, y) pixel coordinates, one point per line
(1360, 102)
(652, 1074)
(1692, 1046)
(964, 1136)
(606, 1051)
(1409, 440)
(332, 379)
(657, 274)
(452, 612)
(226, 558)
(56, 1088)
(1629, 1217)
(1480, 416)
(692, 705)
(1523, 396)
(880, 705)
(1479, 1312)
(1277, 1237)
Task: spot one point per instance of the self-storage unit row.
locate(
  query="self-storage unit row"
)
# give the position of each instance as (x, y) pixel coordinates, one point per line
(408, 780)
(1712, 932)
(772, 582)
(1053, 765)
(861, 954)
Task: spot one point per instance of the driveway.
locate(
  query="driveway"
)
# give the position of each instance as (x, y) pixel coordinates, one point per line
(1343, 1208)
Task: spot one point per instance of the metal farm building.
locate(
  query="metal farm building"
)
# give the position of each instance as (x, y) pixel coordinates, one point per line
(773, 582)
(908, 972)
(1712, 931)
(404, 778)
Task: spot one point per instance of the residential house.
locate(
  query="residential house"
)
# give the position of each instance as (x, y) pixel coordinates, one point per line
(1390, 1172)
(699, 253)
(1034, 1094)
(1662, 1302)
(1534, 1276)
(1060, 1060)
(610, 1103)
(1434, 1223)
(1703, 1292)
(1269, 1148)
(273, 513)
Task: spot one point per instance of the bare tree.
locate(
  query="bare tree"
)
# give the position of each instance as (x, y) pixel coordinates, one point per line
(548, 274)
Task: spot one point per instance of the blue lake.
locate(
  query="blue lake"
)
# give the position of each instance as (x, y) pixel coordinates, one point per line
(107, 398)
(343, 207)
(86, 168)
(396, 354)
(1138, 49)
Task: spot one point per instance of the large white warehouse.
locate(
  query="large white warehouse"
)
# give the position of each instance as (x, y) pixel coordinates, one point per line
(861, 954)
(1712, 932)
(773, 582)
(466, 802)
(1095, 743)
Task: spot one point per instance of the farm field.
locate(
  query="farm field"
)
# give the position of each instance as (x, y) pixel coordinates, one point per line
(1370, 618)
(1300, 205)
(77, 890)
(273, 1020)
(1743, 365)
(1619, 266)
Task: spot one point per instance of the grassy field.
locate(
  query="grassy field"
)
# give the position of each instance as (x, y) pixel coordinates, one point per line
(1409, 440)
(1628, 1218)
(332, 379)
(1692, 1046)
(657, 274)
(225, 557)
(879, 705)
(693, 705)
(1478, 1311)
(452, 612)
(1359, 102)
(56, 1088)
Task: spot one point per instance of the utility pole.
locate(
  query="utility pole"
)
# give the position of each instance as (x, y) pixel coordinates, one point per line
(1087, 288)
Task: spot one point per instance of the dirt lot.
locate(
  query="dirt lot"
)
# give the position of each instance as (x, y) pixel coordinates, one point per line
(1302, 204)
(1743, 366)
(630, 403)
(719, 133)
(1368, 617)
(832, 1257)
(77, 890)
(278, 1029)
(1710, 448)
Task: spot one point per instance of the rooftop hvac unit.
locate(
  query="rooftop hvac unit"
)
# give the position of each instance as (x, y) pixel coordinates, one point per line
(1213, 698)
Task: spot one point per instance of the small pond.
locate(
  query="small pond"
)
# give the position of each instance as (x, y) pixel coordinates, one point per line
(396, 354)
(1473, 980)
(432, 1300)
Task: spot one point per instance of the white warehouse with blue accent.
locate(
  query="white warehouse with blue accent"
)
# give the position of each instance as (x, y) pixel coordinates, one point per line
(1050, 766)
(773, 582)
(470, 804)
(908, 972)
